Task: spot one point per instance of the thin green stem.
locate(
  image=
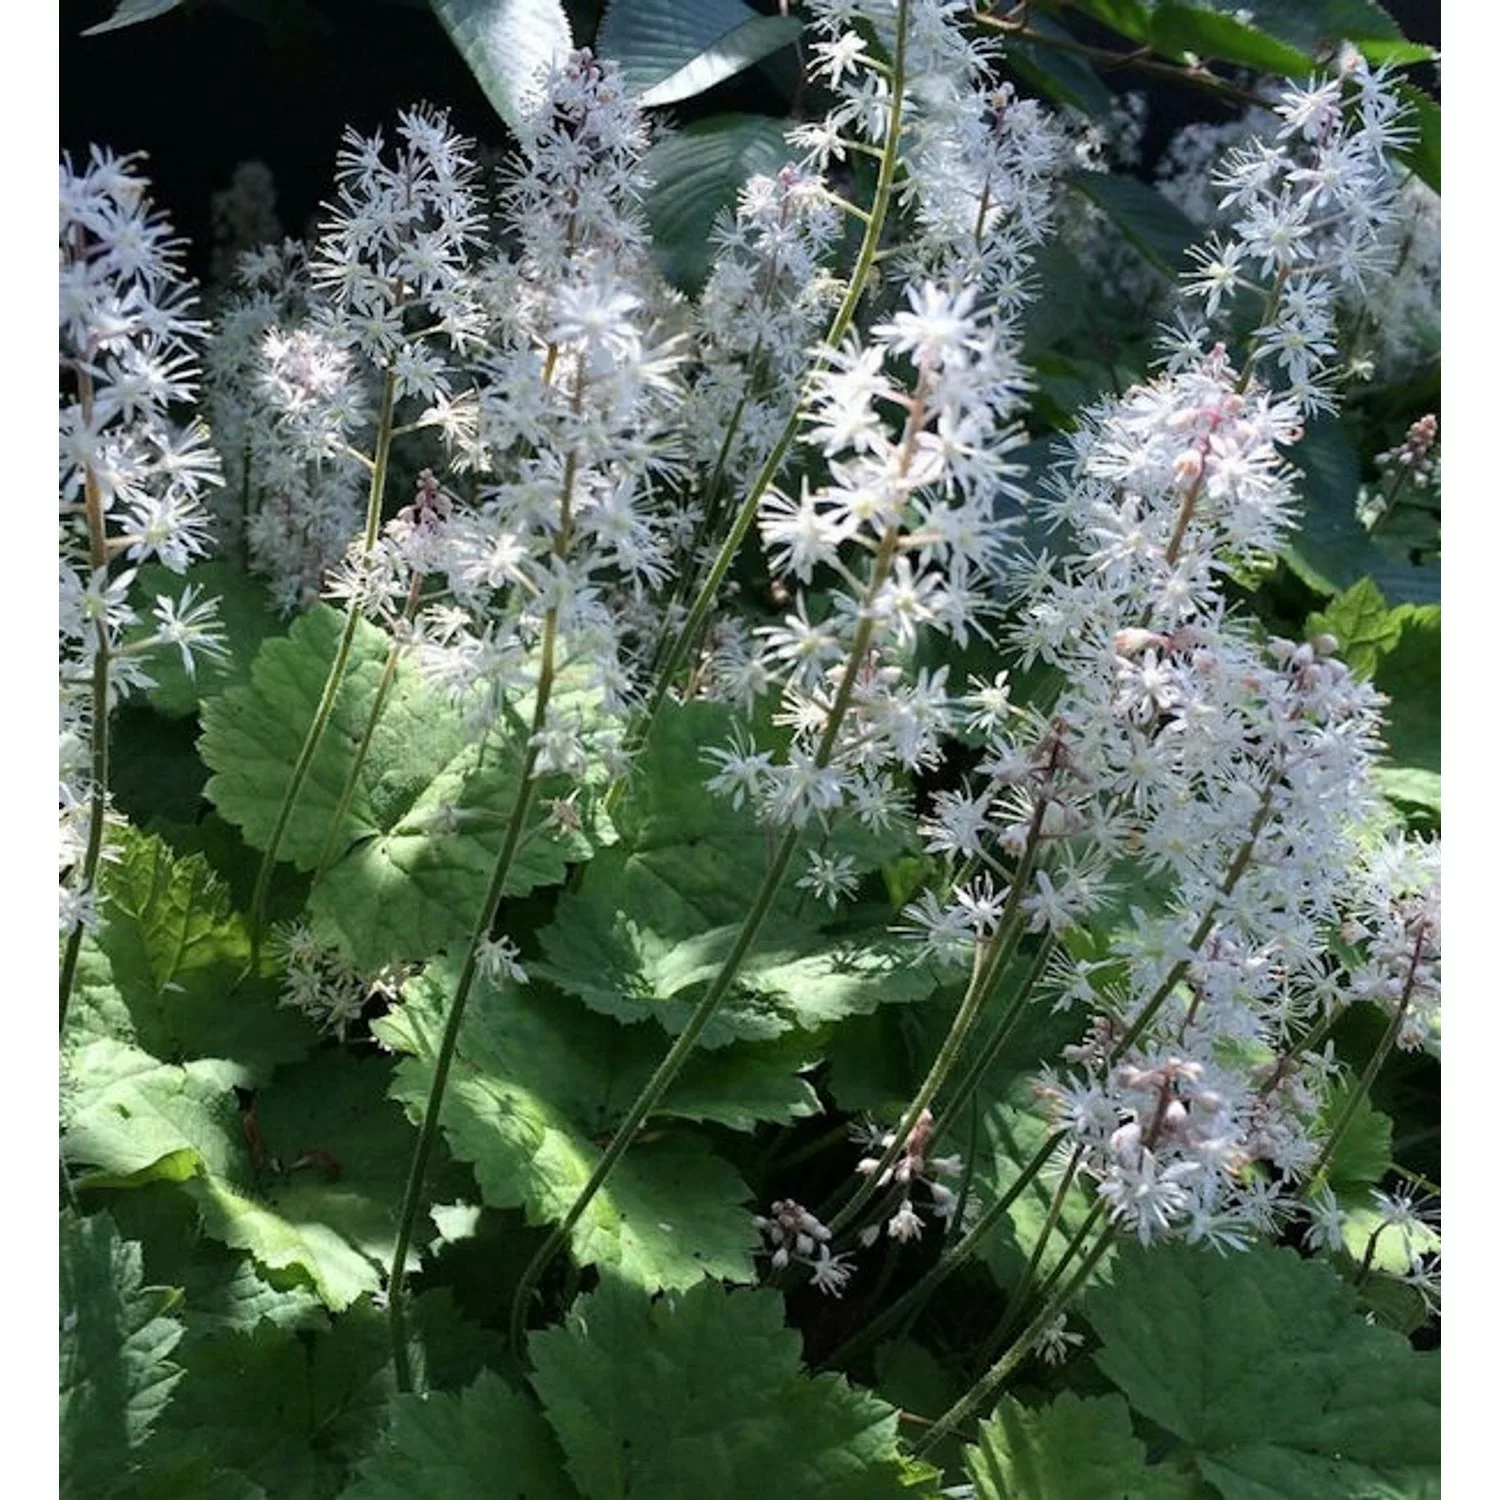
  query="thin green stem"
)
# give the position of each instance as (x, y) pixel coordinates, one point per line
(1034, 1260)
(98, 711)
(427, 1133)
(990, 960)
(1371, 1068)
(984, 1389)
(912, 1301)
(377, 708)
(336, 672)
(671, 1064)
(1004, 1029)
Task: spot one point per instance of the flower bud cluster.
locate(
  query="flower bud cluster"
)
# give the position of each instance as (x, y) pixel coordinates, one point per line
(914, 1166)
(318, 979)
(797, 1236)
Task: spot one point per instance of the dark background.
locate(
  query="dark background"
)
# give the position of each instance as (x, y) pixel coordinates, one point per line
(207, 86)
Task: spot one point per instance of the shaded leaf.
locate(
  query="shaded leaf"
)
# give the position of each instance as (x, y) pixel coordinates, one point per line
(1151, 222)
(485, 1443)
(702, 1393)
(695, 176)
(1331, 551)
(289, 1411)
(670, 51)
(1261, 1363)
(115, 1377)
(1073, 1449)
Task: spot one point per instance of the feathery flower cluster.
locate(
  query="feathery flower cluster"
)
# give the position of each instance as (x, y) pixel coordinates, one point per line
(1312, 223)
(979, 161)
(1236, 773)
(571, 426)
(915, 464)
(291, 510)
(130, 480)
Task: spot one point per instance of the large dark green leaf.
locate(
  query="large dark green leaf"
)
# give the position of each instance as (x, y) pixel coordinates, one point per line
(1332, 551)
(695, 176)
(702, 1393)
(484, 1443)
(670, 51)
(507, 44)
(115, 1378)
(1261, 1363)
(1074, 1449)
(1153, 224)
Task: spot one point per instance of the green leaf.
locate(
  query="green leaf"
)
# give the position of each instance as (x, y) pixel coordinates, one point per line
(485, 1443)
(702, 1393)
(654, 916)
(1401, 650)
(329, 1204)
(430, 806)
(1363, 1154)
(508, 44)
(114, 1378)
(1409, 787)
(1015, 1134)
(695, 176)
(1362, 623)
(1317, 26)
(671, 51)
(130, 13)
(794, 979)
(1063, 76)
(523, 1105)
(222, 1290)
(1214, 36)
(1425, 155)
(1074, 1449)
(1262, 1365)
(1152, 223)
(245, 614)
(129, 1116)
(177, 956)
(1332, 551)
(1410, 676)
(324, 1204)
(289, 1411)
